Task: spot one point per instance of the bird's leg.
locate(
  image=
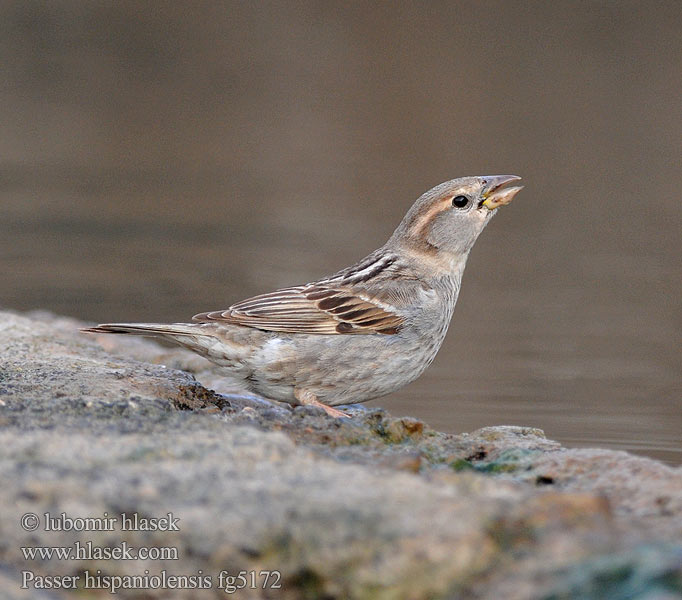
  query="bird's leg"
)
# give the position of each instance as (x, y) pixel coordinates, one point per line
(307, 398)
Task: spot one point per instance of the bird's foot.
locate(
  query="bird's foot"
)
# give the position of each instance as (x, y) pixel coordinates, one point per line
(307, 398)
(332, 412)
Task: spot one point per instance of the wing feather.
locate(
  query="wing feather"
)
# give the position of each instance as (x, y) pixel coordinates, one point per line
(313, 308)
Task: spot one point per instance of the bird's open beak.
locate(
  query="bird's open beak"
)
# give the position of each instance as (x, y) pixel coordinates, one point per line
(495, 194)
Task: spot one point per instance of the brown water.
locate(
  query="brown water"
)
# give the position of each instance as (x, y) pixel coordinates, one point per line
(157, 161)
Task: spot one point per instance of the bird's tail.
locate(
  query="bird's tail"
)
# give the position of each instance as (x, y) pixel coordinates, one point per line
(166, 330)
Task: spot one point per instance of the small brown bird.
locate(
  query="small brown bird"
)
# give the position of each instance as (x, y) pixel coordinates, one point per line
(363, 332)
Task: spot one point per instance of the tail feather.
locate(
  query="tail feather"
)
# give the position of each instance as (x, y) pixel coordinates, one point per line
(150, 329)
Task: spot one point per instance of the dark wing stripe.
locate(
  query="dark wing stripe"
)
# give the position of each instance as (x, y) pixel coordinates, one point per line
(379, 267)
(331, 303)
(318, 294)
(345, 308)
(284, 310)
(366, 270)
(371, 322)
(353, 315)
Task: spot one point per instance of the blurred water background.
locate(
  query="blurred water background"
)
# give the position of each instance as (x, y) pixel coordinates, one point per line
(164, 158)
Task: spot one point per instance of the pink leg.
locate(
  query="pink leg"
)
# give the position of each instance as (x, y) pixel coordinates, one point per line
(307, 398)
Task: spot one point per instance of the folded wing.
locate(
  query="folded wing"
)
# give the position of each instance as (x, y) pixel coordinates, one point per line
(311, 308)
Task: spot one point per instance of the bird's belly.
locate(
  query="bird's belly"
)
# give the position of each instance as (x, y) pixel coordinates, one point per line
(340, 369)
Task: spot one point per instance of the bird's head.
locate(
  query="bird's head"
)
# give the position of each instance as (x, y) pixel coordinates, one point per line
(445, 221)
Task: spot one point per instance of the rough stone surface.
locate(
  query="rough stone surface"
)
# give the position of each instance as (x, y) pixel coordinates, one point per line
(367, 507)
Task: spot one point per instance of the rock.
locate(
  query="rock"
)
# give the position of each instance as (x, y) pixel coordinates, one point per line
(368, 507)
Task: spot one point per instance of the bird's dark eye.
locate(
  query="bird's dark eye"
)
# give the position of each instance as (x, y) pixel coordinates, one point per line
(460, 201)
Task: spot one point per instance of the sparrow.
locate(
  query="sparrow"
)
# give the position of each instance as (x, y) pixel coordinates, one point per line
(362, 332)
